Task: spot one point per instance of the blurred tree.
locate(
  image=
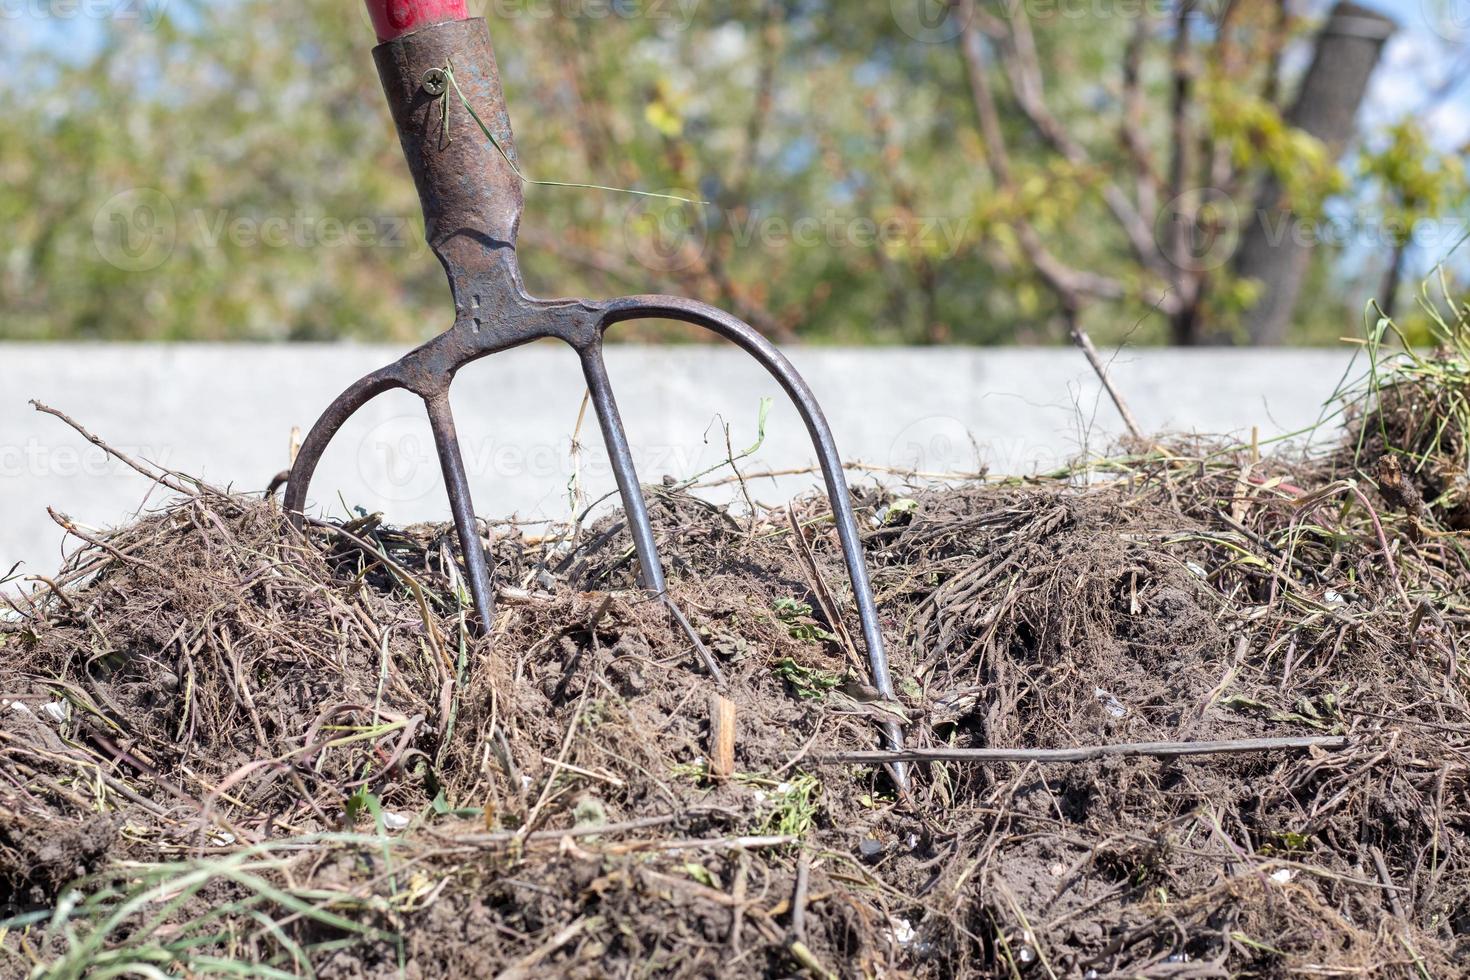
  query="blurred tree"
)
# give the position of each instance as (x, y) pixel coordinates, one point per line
(1274, 253)
(228, 172)
(1416, 185)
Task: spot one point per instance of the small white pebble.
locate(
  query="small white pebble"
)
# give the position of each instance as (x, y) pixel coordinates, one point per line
(1110, 703)
(395, 821)
(1282, 876)
(57, 711)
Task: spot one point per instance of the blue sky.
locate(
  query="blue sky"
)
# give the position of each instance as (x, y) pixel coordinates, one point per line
(1433, 44)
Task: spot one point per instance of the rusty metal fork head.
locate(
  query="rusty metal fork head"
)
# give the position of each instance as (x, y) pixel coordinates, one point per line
(472, 201)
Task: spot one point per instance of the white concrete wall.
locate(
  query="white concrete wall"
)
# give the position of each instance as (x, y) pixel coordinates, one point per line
(226, 412)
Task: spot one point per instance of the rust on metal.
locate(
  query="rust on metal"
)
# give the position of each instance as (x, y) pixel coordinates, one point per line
(472, 201)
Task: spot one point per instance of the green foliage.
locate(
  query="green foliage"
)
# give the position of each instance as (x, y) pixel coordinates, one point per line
(797, 617)
(122, 922)
(1252, 130)
(1436, 370)
(231, 173)
(807, 682)
(1417, 182)
(791, 807)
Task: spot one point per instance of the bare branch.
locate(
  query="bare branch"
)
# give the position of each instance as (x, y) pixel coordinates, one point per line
(1023, 67)
(1148, 183)
(1084, 342)
(1182, 162)
(1070, 285)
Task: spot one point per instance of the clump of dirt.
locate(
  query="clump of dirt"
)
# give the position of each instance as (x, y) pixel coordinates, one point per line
(1415, 427)
(37, 858)
(240, 743)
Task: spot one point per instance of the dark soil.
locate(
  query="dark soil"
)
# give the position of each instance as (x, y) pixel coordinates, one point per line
(206, 686)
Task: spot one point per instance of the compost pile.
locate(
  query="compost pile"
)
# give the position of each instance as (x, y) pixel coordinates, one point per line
(228, 748)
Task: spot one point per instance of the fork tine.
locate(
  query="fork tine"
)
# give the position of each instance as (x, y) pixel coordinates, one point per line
(343, 408)
(650, 570)
(446, 442)
(770, 357)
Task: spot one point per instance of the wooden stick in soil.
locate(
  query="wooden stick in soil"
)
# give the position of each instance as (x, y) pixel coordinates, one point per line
(1084, 343)
(721, 737)
(1085, 753)
(798, 900)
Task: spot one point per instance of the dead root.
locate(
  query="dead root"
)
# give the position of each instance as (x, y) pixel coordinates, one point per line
(287, 750)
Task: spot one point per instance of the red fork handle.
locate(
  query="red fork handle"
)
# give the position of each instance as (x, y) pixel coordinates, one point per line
(395, 18)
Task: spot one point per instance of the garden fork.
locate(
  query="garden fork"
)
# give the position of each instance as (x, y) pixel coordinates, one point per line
(471, 192)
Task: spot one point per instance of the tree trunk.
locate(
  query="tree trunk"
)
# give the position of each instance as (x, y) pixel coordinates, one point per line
(1273, 252)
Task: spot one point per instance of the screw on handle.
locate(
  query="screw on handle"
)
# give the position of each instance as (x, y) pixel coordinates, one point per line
(394, 18)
